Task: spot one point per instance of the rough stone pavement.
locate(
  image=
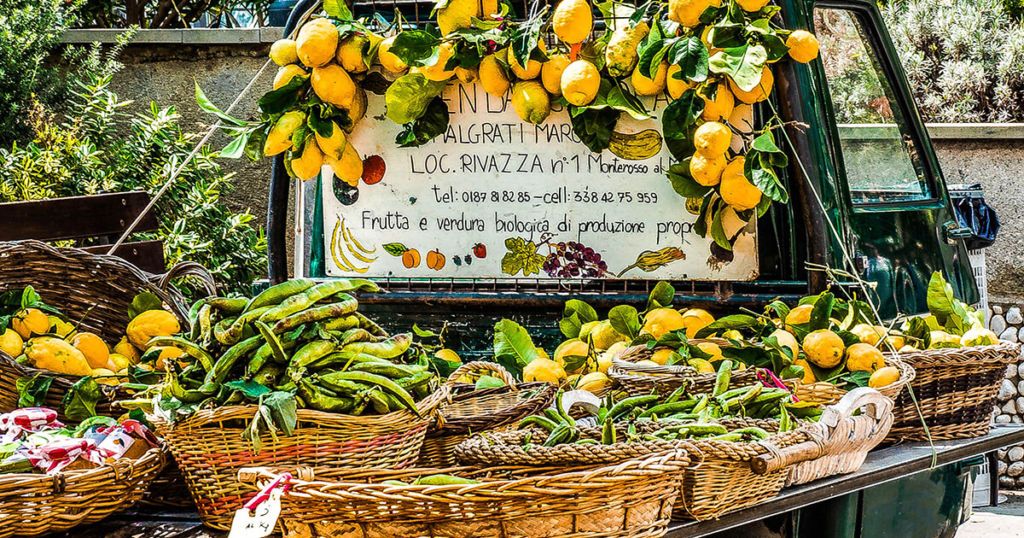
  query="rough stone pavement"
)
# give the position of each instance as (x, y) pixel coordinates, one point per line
(1003, 521)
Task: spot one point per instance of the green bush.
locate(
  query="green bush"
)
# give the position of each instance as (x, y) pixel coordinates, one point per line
(171, 13)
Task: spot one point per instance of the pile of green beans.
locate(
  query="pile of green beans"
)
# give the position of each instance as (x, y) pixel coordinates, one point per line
(300, 337)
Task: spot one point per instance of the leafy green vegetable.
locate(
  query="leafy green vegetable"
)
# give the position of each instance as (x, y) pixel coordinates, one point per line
(948, 311)
(408, 97)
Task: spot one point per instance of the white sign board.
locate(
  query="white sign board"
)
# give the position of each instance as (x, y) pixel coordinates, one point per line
(496, 197)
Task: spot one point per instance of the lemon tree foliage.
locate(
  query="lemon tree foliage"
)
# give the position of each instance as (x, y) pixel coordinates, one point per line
(711, 57)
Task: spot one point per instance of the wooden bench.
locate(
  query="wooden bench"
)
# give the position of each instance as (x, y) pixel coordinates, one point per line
(93, 222)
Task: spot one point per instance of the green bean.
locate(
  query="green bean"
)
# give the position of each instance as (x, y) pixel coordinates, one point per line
(229, 305)
(537, 420)
(587, 442)
(310, 352)
(442, 480)
(553, 415)
(346, 306)
(279, 292)
(301, 301)
(342, 361)
(235, 331)
(752, 431)
(669, 408)
(723, 377)
(222, 328)
(340, 386)
(370, 325)
(785, 422)
(676, 394)
(193, 318)
(387, 369)
(730, 437)
(276, 347)
(702, 404)
(628, 404)
(342, 324)
(216, 375)
(172, 388)
(385, 349)
(382, 382)
(205, 323)
(557, 435)
(321, 400)
(194, 351)
(752, 392)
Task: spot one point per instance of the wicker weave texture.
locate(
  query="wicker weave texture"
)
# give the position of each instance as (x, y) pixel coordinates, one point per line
(508, 448)
(955, 389)
(630, 499)
(209, 448)
(34, 504)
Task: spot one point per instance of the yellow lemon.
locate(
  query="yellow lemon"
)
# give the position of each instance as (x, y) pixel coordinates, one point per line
(349, 167)
(735, 189)
(387, 59)
(758, 93)
(350, 53)
(603, 335)
(712, 349)
(580, 82)
(594, 382)
(942, 339)
(30, 321)
(125, 348)
(695, 319)
(531, 102)
(572, 21)
(333, 85)
(869, 334)
(978, 336)
(803, 46)
(551, 73)
(752, 5)
(719, 108)
(544, 370)
(437, 71)
(105, 376)
(457, 14)
(333, 145)
(307, 164)
(571, 351)
(883, 377)
(676, 86)
(279, 139)
(530, 72)
(316, 43)
(703, 366)
(713, 138)
(799, 315)
(287, 73)
(93, 347)
(60, 327)
(493, 77)
(659, 321)
(466, 75)
(861, 357)
(117, 362)
(604, 360)
(786, 339)
(662, 355)
(824, 348)
(808, 377)
(647, 86)
(687, 12)
(706, 169)
(282, 52)
(358, 108)
(11, 343)
(620, 54)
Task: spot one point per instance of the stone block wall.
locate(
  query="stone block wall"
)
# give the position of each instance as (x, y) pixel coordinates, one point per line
(1008, 322)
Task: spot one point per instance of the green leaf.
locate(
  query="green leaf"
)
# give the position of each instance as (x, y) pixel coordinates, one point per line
(662, 295)
(142, 302)
(249, 388)
(236, 148)
(574, 315)
(717, 232)
(728, 323)
(625, 320)
(652, 50)
(30, 298)
(408, 97)
(526, 37)
(337, 9)
(765, 143)
(570, 325)
(284, 98)
(594, 126)
(521, 256)
(488, 382)
(416, 48)
(513, 345)
(727, 35)
(683, 183)
(207, 106)
(141, 375)
(679, 121)
(611, 95)
(432, 123)
(395, 249)
(282, 407)
(764, 178)
(821, 313)
(743, 64)
(80, 400)
(32, 390)
(692, 58)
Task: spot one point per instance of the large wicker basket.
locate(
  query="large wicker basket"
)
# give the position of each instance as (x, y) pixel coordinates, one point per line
(955, 391)
(474, 411)
(34, 504)
(209, 448)
(841, 439)
(629, 499)
(94, 290)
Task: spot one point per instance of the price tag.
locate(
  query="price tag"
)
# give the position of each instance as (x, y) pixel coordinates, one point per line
(258, 522)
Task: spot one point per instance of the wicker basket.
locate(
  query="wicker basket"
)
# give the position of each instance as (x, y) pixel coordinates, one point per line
(826, 393)
(630, 499)
(721, 479)
(95, 290)
(34, 504)
(955, 390)
(841, 439)
(209, 448)
(474, 411)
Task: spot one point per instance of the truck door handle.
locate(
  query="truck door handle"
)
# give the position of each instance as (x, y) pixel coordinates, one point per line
(953, 231)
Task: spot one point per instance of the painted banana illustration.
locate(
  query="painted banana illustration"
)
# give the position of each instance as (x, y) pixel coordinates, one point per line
(635, 146)
(342, 240)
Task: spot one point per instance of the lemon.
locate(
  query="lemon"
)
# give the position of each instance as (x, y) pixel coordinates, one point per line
(125, 348)
(282, 52)
(978, 336)
(466, 75)
(60, 327)
(824, 348)
(712, 349)
(594, 382)
(735, 189)
(752, 5)
(942, 339)
(646, 86)
(11, 343)
(316, 43)
(358, 108)
(530, 72)
(659, 321)
(350, 53)
(333, 85)
(759, 93)
(387, 59)
(706, 169)
(117, 362)
(29, 322)
(720, 107)
(105, 376)
(799, 315)
(869, 334)
(742, 118)
(861, 357)
(687, 12)
(349, 167)
(572, 21)
(457, 14)
(663, 355)
(695, 319)
(604, 360)
(604, 335)
(713, 138)
(803, 46)
(808, 377)
(530, 101)
(436, 71)
(620, 54)
(703, 366)
(493, 77)
(884, 377)
(587, 328)
(580, 82)
(543, 370)
(676, 86)
(571, 351)
(551, 73)
(786, 339)
(93, 347)
(308, 163)
(279, 138)
(287, 73)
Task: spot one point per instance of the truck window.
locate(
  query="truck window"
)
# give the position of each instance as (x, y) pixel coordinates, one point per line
(877, 148)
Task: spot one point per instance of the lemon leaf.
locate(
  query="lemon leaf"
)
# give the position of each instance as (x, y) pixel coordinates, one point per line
(337, 9)
(743, 64)
(513, 345)
(692, 58)
(408, 97)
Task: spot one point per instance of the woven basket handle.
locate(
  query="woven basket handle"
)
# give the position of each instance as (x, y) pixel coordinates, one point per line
(779, 458)
(480, 368)
(192, 269)
(867, 400)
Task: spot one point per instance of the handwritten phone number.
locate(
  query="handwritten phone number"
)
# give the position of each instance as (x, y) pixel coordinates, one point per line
(608, 197)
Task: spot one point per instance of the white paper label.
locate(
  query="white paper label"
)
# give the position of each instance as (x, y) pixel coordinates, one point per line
(260, 522)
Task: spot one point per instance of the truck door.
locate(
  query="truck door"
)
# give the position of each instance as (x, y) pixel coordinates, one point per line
(900, 218)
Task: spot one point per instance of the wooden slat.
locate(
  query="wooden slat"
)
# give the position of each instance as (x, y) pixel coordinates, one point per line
(146, 255)
(76, 217)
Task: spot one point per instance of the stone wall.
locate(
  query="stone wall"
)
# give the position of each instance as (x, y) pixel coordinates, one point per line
(1008, 322)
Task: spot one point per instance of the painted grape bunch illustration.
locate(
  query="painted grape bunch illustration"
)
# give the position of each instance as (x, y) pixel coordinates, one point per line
(571, 259)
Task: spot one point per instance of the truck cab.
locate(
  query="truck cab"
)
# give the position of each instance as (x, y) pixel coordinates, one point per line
(869, 209)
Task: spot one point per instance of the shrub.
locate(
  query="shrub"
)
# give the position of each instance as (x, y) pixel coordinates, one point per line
(171, 13)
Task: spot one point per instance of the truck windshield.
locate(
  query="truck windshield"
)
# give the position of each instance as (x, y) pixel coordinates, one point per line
(877, 150)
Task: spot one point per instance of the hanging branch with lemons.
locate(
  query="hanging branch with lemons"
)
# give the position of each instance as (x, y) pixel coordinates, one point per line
(712, 58)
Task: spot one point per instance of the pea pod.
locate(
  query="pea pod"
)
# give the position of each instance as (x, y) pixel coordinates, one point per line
(342, 361)
(222, 330)
(385, 349)
(587, 442)
(723, 377)
(278, 292)
(321, 400)
(231, 306)
(730, 437)
(301, 301)
(384, 383)
(537, 420)
(370, 325)
(558, 435)
(342, 323)
(194, 351)
(676, 394)
(352, 336)
(443, 480)
(216, 375)
(702, 404)
(309, 353)
(415, 380)
(628, 404)
(785, 422)
(669, 408)
(387, 369)
(276, 347)
(346, 306)
(340, 386)
(752, 431)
